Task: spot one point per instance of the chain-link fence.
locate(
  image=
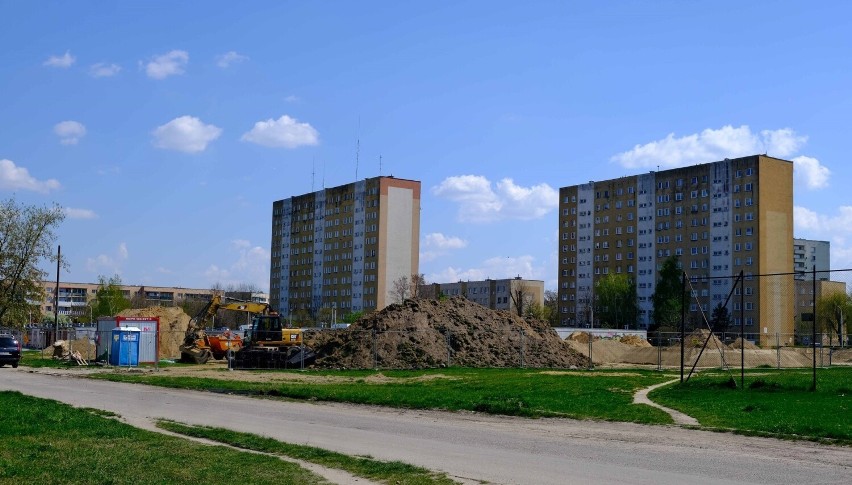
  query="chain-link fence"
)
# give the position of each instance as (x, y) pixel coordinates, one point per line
(790, 320)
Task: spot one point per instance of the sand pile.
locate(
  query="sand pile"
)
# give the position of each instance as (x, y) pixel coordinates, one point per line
(62, 349)
(582, 337)
(697, 337)
(173, 324)
(421, 333)
(634, 341)
(738, 344)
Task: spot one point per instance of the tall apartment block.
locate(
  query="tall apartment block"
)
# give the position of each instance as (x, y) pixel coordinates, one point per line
(719, 218)
(811, 255)
(343, 247)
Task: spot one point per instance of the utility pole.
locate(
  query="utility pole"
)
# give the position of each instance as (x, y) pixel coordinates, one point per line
(56, 294)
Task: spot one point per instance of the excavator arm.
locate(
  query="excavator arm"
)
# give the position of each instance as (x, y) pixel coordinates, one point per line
(196, 345)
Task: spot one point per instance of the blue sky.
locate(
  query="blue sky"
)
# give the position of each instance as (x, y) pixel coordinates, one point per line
(167, 129)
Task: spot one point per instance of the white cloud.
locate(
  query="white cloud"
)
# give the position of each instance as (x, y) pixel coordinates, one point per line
(69, 132)
(807, 220)
(103, 69)
(63, 61)
(108, 263)
(437, 244)
(251, 266)
(284, 132)
(834, 228)
(292, 99)
(228, 58)
(440, 241)
(169, 64)
(80, 213)
(478, 202)
(710, 145)
(13, 177)
(726, 142)
(814, 174)
(186, 134)
(494, 268)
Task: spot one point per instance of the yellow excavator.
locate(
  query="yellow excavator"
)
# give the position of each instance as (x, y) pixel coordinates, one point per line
(270, 343)
(198, 347)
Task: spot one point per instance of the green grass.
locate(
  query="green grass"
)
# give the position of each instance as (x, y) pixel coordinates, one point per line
(773, 403)
(388, 472)
(30, 358)
(48, 442)
(599, 395)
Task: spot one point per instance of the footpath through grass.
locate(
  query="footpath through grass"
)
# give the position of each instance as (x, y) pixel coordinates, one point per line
(773, 403)
(43, 441)
(394, 472)
(604, 395)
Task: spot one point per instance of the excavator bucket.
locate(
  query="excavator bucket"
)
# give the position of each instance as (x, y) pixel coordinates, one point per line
(194, 355)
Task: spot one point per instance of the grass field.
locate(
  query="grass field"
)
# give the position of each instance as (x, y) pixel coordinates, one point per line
(43, 441)
(518, 392)
(395, 472)
(773, 403)
(47, 442)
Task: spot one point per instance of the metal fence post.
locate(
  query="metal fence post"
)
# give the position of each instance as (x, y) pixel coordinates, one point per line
(591, 338)
(449, 347)
(778, 349)
(659, 352)
(375, 350)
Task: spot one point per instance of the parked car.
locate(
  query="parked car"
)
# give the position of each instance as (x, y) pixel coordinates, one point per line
(10, 350)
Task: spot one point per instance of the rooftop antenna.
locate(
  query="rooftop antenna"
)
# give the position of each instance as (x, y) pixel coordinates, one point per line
(313, 172)
(323, 175)
(357, 148)
(380, 165)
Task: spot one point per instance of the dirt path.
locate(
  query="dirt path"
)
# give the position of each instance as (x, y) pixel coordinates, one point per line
(471, 446)
(333, 475)
(641, 397)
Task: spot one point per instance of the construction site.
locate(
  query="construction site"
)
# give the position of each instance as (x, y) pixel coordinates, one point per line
(428, 333)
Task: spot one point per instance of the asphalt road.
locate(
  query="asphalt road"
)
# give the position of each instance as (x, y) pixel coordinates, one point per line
(466, 445)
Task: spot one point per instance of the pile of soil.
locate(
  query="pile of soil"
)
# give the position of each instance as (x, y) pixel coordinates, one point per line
(62, 348)
(634, 341)
(173, 324)
(738, 344)
(431, 333)
(697, 337)
(582, 337)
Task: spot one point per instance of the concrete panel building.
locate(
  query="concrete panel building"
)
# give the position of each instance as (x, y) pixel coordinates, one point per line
(343, 247)
(74, 298)
(809, 255)
(494, 294)
(718, 218)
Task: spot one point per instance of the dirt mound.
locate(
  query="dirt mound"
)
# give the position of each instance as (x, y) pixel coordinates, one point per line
(634, 341)
(697, 337)
(173, 324)
(738, 344)
(429, 333)
(582, 337)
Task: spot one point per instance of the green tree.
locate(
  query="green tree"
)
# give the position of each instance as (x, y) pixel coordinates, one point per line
(615, 301)
(667, 298)
(834, 311)
(720, 319)
(109, 299)
(352, 317)
(551, 303)
(27, 238)
(48, 318)
(538, 311)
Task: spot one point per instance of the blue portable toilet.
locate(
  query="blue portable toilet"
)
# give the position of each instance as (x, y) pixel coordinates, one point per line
(124, 349)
